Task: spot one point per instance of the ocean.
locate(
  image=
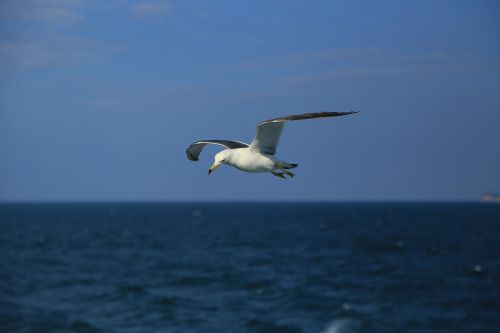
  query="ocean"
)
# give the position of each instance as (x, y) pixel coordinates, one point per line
(250, 267)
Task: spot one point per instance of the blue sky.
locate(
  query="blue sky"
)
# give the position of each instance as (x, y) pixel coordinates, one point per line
(99, 99)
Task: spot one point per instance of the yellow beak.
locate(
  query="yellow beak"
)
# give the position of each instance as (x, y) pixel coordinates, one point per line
(213, 167)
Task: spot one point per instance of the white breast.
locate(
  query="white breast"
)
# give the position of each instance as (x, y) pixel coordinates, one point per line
(250, 160)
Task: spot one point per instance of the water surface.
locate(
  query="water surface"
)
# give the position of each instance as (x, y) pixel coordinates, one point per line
(287, 267)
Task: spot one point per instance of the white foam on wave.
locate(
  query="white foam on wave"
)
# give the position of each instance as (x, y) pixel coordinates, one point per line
(343, 325)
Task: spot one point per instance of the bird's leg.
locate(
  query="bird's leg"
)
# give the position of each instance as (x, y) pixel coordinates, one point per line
(278, 174)
(286, 172)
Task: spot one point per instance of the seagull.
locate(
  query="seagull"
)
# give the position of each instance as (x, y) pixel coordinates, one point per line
(258, 156)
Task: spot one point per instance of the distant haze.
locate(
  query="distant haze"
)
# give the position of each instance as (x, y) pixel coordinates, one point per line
(99, 100)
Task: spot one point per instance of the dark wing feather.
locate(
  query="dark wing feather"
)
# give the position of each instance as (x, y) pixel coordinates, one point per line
(303, 116)
(194, 150)
(269, 131)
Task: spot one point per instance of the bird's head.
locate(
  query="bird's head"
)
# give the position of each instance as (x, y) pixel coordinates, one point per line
(219, 159)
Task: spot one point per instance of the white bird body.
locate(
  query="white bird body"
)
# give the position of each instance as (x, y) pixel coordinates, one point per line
(248, 159)
(259, 155)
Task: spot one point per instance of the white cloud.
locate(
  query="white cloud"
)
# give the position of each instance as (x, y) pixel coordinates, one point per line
(40, 36)
(53, 51)
(46, 11)
(303, 73)
(32, 54)
(148, 9)
(54, 14)
(300, 61)
(19, 53)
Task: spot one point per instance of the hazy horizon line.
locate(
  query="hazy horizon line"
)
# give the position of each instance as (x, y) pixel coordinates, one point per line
(305, 201)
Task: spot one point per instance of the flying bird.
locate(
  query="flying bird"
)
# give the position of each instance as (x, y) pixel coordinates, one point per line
(259, 155)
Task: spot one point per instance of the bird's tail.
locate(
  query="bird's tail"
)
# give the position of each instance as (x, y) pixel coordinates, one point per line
(289, 165)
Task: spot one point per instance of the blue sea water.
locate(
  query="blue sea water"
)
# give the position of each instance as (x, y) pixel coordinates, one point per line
(273, 267)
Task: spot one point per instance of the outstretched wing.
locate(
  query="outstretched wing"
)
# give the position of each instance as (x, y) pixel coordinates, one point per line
(194, 150)
(269, 131)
